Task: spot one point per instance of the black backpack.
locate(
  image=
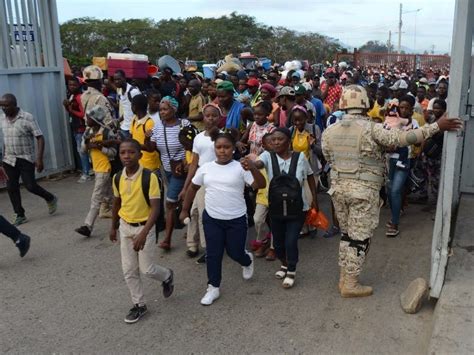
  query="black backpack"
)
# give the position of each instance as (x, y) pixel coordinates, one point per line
(145, 183)
(285, 193)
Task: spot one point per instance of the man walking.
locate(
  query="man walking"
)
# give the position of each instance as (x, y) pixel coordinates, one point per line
(19, 129)
(125, 93)
(22, 241)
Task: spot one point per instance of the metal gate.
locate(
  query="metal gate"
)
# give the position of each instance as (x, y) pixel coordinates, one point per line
(408, 62)
(31, 68)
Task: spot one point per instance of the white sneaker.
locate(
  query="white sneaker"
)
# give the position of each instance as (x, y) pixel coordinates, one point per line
(247, 271)
(211, 295)
(83, 179)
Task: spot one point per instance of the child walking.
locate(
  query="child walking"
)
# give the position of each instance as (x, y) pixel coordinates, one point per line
(203, 152)
(97, 141)
(134, 213)
(224, 218)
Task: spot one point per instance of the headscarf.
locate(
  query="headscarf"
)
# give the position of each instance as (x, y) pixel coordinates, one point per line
(299, 108)
(270, 88)
(171, 101)
(221, 114)
(226, 86)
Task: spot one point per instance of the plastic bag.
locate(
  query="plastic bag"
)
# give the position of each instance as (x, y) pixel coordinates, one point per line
(317, 219)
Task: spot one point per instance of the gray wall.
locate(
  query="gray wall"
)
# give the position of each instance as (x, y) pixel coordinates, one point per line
(33, 71)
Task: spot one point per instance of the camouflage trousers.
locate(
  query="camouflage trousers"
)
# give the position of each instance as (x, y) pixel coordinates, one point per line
(357, 209)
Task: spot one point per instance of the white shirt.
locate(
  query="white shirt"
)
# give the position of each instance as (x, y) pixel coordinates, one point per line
(155, 116)
(224, 198)
(125, 106)
(204, 147)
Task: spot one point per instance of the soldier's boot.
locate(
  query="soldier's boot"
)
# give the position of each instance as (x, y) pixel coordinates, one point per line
(341, 279)
(105, 210)
(352, 288)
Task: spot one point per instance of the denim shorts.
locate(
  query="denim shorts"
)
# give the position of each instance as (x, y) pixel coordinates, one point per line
(175, 185)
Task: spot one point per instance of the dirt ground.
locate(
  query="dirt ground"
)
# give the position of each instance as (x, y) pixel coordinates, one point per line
(68, 294)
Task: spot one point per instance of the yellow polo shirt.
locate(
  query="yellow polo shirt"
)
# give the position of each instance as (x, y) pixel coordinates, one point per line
(134, 208)
(262, 194)
(100, 161)
(149, 160)
(196, 105)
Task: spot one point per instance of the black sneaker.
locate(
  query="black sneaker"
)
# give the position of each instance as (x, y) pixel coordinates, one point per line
(23, 244)
(192, 253)
(135, 314)
(201, 260)
(168, 285)
(84, 230)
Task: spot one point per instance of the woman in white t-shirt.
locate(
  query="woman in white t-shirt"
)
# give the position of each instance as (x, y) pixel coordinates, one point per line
(203, 152)
(224, 218)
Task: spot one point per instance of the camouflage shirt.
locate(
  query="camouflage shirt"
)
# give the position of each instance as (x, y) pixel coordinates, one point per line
(92, 97)
(374, 142)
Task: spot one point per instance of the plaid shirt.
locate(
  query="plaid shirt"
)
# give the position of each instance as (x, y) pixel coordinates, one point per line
(18, 137)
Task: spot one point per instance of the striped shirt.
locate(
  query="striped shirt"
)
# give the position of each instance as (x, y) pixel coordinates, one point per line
(18, 137)
(173, 150)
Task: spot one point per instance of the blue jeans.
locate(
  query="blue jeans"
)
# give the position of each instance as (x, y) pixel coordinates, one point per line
(9, 229)
(285, 240)
(85, 164)
(396, 185)
(229, 235)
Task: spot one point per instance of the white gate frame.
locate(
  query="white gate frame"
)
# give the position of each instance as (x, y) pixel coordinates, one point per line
(449, 194)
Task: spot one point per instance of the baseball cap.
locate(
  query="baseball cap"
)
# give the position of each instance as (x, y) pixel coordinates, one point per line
(286, 91)
(296, 75)
(300, 89)
(308, 86)
(252, 82)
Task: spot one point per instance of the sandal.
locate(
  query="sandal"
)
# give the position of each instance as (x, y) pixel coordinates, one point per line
(165, 245)
(392, 231)
(280, 274)
(289, 280)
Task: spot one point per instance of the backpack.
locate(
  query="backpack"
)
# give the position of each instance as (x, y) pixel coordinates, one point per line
(146, 176)
(285, 193)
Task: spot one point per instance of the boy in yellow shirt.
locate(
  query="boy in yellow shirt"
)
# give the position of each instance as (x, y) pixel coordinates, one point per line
(99, 142)
(140, 129)
(135, 210)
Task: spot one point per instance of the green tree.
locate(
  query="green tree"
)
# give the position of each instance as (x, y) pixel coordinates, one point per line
(375, 47)
(197, 38)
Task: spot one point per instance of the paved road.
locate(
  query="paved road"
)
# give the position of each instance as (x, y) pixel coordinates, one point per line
(68, 294)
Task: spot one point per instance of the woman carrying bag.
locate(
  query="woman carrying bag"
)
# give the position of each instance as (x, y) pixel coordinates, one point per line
(288, 205)
(165, 139)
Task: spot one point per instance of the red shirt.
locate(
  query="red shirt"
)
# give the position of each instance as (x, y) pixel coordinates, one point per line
(334, 94)
(77, 114)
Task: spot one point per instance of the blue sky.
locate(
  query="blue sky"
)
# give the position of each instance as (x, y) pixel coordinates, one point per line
(353, 22)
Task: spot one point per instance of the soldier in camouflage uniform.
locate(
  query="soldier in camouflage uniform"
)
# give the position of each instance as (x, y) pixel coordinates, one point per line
(91, 98)
(355, 148)
(93, 95)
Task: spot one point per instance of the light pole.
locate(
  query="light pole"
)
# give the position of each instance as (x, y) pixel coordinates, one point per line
(414, 39)
(400, 24)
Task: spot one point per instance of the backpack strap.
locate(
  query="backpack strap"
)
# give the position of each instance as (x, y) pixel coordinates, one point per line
(275, 165)
(294, 163)
(146, 176)
(117, 177)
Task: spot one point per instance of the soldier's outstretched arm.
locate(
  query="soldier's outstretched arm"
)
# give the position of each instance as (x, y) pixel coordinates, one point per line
(398, 138)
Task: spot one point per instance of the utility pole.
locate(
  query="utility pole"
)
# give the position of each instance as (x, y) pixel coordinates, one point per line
(400, 30)
(389, 43)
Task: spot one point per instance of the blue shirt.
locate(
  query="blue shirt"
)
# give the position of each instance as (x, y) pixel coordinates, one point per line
(320, 112)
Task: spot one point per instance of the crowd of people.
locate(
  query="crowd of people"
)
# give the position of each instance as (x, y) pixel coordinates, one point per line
(248, 148)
